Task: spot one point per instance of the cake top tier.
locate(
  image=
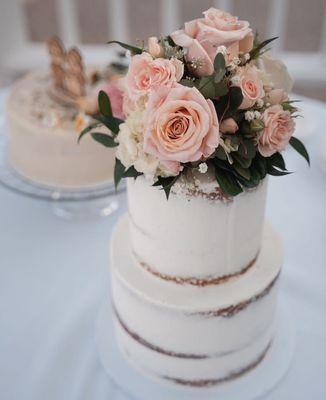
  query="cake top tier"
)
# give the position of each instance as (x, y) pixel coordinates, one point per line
(207, 96)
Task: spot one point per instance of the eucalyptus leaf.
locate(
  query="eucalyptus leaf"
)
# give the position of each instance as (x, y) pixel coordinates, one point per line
(236, 97)
(119, 170)
(207, 87)
(300, 148)
(132, 49)
(105, 140)
(220, 153)
(256, 125)
(244, 162)
(221, 89)
(166, 184)
(111, 123)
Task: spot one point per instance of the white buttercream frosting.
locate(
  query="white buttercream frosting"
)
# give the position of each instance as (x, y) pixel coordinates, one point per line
(42, 138)
(197, 233)
(227, 326)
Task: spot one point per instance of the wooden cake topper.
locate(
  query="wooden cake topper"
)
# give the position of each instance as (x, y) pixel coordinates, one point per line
(67, 70)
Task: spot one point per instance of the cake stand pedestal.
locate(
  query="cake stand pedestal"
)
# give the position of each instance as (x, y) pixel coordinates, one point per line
(252, 385)
(70, 203)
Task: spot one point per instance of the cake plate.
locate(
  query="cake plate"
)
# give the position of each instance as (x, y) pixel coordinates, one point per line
(70, 203)
(252, 385)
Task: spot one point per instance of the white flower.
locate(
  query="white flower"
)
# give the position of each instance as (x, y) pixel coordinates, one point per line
(249, 115)
(246, 56)
(236, 61)
(202, 168)
(257, 115)
(222, 49)
(260, 103)
(130, 150)
(235, 80)
(276, 71)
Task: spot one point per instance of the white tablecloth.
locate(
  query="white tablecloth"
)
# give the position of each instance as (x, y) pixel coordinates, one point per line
(53, 276)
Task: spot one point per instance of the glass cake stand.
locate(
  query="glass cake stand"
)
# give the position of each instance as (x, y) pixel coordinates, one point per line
(71, 203)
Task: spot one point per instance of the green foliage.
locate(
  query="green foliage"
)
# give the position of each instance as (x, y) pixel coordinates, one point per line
(132, 49)
(119, 170)
(166, 183)
(88, 129)
(259, 48)
(300, 148)
(105, 140)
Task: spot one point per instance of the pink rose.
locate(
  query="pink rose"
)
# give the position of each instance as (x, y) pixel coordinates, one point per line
(180, 126)
(228, 126)
(251, 86)
(277, 96)
(201, 37)
(113, 90)
(279, 127)
(146, 73)
(154, 48)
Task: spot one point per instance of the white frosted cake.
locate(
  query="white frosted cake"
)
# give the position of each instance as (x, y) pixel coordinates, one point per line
(194, 266)
(188, 308)
(43, 134)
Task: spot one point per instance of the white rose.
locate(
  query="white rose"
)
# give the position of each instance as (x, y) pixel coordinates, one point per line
(277, 72)
(127, 149)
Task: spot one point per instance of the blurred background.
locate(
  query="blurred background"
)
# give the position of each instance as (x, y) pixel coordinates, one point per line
(25, 24)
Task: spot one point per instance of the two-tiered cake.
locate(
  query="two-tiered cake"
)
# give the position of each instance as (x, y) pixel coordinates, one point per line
(194, 268)
(194, 282)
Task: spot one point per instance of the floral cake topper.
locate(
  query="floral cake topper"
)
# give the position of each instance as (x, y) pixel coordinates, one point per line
(206, 97)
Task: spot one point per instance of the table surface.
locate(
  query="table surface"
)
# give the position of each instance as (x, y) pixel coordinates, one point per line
(53, 277)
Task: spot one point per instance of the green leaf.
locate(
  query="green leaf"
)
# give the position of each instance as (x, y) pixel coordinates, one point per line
(131, 173)
(244, 162)
(227, 181)
(219, 62)
(166, 184)
(259, 163)
(111, 123)
(105, 140)
(278, 161)
(207, 87)
(244, 172)
(219, 67)
(132, 49)
(300, 148)
(275, 172)
(255, 52)
(220, 153)
(221, 89)
(104, 104)
(119, 170)
(247, 149)
(189, 82)
(88, 129)
(236, 97)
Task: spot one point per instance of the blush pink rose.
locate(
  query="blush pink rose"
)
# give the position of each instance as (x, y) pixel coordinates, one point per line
(180, 126)
(201, 37)
(228, 126)
(279, 127)
(251, 86)
(146, 73)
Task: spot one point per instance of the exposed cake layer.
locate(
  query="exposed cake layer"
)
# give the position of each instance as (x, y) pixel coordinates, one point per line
(43, 139)
(184, 331)
(197, 236)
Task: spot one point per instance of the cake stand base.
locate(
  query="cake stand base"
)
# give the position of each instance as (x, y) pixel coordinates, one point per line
(250, 386)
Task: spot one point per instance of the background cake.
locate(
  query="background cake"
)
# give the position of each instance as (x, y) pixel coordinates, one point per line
(46, 112)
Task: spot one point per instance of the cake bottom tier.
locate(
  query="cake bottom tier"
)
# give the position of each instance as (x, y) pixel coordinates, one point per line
(190, 335)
